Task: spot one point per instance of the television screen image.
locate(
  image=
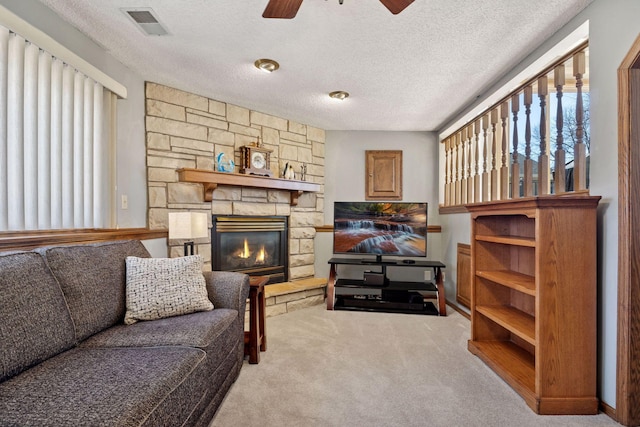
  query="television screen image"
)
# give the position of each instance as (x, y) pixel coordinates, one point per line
(380, 228)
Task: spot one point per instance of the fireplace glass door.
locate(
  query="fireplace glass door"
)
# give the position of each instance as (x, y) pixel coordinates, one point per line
(252, 245)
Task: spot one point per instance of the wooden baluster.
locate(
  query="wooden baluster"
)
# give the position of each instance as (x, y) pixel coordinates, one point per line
(504, 169)
(543, 158)
(446, 172)
(463, 166)
(494, 154)
(515, 166)
(452, 176)
(451, 170)
(528, 163)
(476, 158)
(579, 151)
(559, 179)
(457, 187)
(452, 185)
(469, 163)
(485, 172)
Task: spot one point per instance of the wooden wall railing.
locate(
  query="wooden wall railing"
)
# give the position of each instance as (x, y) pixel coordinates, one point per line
(27, 240)
(487, 160)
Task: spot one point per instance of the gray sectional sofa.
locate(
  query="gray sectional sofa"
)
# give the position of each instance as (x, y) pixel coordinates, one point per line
(67, 359)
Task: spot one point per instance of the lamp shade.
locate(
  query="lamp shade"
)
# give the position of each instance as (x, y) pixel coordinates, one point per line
(188, 225)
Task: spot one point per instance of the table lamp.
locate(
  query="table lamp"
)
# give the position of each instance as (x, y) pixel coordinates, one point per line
(189, 226)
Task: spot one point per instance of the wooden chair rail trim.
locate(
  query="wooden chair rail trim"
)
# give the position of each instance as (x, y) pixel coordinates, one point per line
(454, 209)
(443, 210)
(26, 240)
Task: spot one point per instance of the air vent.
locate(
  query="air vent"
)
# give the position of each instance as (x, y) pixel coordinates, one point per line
(142, 17)
(146, 19)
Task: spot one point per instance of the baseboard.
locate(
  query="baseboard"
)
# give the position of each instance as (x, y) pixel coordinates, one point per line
(608, 410)
(459, 310)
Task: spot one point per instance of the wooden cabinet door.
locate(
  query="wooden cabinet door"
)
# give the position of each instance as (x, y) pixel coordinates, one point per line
(383, 175)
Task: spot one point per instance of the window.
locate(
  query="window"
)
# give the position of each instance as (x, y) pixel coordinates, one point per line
(56, 132)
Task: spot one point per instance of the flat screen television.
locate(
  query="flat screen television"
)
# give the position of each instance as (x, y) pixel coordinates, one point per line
(380, 228)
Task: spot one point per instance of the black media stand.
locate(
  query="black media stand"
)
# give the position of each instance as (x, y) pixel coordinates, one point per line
(390, 296)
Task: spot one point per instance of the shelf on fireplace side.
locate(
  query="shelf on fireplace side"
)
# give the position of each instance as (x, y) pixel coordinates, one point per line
(210, 180)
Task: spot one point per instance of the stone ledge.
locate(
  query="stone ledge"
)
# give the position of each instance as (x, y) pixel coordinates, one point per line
(289, 296)
(300, 285)
(281, 298)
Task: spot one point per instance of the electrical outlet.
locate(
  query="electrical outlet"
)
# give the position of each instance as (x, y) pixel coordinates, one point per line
(124, 204)
(427, 275)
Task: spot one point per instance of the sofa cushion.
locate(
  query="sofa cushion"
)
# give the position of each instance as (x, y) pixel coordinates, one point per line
(195, 330)
(35, 323)
(92, 278)
(103, 387)
(164, 287)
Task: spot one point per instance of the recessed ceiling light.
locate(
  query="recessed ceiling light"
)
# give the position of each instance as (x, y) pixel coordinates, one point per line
(267, 65)
(339, 94)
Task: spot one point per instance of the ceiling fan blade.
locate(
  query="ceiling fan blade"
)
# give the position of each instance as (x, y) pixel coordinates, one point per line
(396, 6)
(283, 9)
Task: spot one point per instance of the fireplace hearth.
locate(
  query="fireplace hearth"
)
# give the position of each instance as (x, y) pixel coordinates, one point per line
(255, 245)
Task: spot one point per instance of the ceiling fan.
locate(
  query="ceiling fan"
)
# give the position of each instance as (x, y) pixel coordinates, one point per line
(287, 9)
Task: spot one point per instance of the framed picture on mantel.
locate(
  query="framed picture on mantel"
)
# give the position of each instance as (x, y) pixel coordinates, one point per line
(383, 179)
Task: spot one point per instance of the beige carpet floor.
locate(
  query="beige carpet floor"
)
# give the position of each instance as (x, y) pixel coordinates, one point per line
(338, 368)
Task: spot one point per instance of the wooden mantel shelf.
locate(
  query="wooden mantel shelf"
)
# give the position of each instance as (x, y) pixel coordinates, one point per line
(210, 180)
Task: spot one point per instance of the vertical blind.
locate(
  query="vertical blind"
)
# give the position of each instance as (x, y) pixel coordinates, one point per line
(55, 125)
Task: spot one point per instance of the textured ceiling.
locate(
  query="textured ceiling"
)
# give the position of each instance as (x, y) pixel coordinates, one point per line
(410, 71)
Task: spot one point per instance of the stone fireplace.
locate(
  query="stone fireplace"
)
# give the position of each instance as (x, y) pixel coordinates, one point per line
(185, 130)
(257, 246)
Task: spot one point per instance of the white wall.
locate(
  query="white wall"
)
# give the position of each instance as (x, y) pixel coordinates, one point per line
(157, 247)
(130, 166)
(345, 181)
(455, 229)
(613, 25)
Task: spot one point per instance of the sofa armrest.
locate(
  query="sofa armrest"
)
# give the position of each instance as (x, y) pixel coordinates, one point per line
(228, 289)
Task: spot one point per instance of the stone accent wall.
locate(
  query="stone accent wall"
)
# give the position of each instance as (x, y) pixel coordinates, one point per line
(184, 130)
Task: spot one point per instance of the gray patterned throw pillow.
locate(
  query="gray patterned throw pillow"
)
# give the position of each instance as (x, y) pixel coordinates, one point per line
(164, 287)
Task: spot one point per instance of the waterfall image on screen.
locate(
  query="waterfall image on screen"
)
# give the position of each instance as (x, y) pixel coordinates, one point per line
(386, 228)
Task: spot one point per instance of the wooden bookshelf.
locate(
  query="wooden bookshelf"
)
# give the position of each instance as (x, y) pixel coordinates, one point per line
(533, 298)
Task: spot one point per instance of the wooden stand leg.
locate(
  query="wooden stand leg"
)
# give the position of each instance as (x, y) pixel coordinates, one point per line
(256, 337)
(442, 302)
(254, 352)
(331, 291)
(261, 320)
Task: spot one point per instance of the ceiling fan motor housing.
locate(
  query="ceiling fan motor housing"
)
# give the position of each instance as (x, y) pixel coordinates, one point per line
(287, 9)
